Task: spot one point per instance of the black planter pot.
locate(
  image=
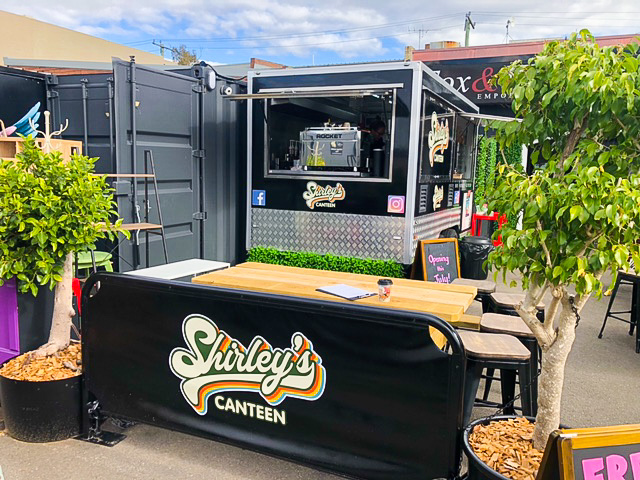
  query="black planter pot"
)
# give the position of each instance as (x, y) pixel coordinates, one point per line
(42, 411)
(478, 470)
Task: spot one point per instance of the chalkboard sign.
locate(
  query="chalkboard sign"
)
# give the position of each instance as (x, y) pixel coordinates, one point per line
(439, 259)
(593, 454)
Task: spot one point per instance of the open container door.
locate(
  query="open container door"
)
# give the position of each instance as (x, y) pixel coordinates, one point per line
(157, 112)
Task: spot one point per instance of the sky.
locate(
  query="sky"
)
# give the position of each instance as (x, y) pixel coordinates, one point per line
(332, 31)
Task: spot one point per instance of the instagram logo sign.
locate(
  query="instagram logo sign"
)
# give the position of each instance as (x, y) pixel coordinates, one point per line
(395, 204)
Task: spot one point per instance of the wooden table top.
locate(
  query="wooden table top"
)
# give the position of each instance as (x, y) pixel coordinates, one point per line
(448, 302)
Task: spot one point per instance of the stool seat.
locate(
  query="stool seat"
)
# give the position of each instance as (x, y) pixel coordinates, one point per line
(483, 286)
(493, 346)
(499, 323)
(510, 300)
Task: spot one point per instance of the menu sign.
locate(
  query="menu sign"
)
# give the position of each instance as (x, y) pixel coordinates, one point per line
(593, 454)
(439, 258)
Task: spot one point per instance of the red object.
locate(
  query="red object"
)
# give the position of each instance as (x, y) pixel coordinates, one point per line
(77, 292)
(476, 225)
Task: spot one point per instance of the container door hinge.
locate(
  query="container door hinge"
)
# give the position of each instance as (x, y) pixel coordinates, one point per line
(51, 79)
(200, 216)
(198, 153)
(198, 88)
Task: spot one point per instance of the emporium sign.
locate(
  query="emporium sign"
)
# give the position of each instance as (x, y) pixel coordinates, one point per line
(472, 77)
(214, 363)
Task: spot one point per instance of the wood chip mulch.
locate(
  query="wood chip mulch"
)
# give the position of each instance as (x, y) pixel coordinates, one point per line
(506, 446)
(66, 363)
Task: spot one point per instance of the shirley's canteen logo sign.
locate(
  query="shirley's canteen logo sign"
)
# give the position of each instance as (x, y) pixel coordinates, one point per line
(438, 139)
(317, 196)
(214, 362)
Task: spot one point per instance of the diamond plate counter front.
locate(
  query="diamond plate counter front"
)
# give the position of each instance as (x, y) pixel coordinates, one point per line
(364, 236)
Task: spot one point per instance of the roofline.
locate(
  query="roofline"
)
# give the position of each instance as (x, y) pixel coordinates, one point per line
(364, 67)
(506, 50)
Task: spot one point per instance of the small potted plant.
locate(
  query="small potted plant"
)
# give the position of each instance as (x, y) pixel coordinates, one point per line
(49, 209)
(579, 106)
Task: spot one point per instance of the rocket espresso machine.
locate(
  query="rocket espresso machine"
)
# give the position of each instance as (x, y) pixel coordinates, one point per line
(335, 148)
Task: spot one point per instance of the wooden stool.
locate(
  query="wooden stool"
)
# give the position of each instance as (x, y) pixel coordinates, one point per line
(505, 303)
(485, 289)
(625, 278)
(498, 351)
(516, 326)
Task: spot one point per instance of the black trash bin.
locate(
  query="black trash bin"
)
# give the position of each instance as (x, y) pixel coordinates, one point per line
(474, 251)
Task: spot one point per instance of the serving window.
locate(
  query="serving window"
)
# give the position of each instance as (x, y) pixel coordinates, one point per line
(329, 133)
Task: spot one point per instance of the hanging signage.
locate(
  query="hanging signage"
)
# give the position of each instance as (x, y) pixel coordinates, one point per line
(593, 454)
(317, 196)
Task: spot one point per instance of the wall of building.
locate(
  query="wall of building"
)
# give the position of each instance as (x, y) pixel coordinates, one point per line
(24, 37)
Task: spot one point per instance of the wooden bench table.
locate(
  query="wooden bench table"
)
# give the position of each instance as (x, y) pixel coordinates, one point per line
(449, 302)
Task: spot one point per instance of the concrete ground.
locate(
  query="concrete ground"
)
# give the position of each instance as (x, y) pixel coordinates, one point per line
(601, 388)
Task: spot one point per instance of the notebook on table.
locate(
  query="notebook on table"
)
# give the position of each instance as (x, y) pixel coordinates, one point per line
(346, 291)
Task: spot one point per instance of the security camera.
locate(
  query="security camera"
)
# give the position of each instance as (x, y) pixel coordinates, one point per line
(226, 90)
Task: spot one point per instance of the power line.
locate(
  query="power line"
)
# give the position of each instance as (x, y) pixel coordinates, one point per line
(351, 40)
(306, 34)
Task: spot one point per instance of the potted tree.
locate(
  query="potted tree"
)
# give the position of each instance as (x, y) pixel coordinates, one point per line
(49, 209)
(579, 106)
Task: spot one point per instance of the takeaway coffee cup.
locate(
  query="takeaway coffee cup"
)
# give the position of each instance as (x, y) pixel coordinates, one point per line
(384, 289)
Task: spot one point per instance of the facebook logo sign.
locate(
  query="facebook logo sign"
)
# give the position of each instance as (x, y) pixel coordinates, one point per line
(259, 198)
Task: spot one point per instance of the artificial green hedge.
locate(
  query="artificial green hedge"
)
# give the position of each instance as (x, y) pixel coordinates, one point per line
(379, 268)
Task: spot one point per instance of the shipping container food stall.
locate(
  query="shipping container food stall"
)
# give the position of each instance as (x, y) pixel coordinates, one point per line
(359, 160)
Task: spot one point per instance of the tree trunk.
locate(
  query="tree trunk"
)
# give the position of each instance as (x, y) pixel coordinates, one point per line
(60, 333)
(554, 359)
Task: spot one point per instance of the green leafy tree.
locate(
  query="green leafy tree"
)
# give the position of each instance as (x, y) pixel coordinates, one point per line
(579, 106)
(49, 209)
(182, 56)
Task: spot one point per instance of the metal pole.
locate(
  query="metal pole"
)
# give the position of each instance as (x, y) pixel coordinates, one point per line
(202, 166)
(468, 25)
(134, 158)
(110, 89)
(146, 206)
(85, 126)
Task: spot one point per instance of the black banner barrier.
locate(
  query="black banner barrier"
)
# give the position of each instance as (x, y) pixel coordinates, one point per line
(359, 391)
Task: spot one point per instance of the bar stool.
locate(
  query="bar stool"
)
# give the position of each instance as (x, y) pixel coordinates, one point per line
(498, 351)
(485, 289)
(505, 303)
(516, 326)
(625, 278)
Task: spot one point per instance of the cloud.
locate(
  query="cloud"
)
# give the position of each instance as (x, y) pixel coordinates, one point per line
(357, 28)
